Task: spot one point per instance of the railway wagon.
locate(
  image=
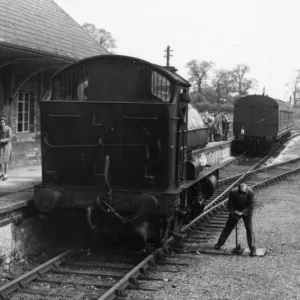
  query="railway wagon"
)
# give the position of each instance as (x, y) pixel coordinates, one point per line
(258, 122)
(119, 140)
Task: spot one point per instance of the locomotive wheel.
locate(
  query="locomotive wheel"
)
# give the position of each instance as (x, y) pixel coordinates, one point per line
(197, 209)
(164, 235)
(163, 232)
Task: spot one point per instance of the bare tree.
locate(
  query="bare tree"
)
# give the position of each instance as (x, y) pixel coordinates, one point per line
(294, 86)
(223, 83)
(242, 84)
(102, 36)
(198, 72)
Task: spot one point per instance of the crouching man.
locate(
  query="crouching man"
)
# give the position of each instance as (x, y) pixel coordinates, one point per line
(240, 205)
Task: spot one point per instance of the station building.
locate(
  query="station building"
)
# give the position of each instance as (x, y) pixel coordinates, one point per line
(37, 38)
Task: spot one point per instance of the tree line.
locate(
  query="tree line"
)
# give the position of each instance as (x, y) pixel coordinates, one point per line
(103, 37)
(218, 86)
(212, 87)
(294, 88)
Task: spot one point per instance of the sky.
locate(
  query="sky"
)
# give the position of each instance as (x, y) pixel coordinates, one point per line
(263, 34)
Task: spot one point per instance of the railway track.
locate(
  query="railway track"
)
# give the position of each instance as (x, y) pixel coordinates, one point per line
(242, 163)
(205, 227)
(73, 275)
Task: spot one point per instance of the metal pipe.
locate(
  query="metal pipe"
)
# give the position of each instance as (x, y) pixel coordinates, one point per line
(89, 217)
(105, 175)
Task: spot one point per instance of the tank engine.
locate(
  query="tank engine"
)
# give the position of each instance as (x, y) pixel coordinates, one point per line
(258, 122)
(119, 138)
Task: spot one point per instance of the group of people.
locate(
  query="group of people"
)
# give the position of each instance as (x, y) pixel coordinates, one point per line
(218, 126)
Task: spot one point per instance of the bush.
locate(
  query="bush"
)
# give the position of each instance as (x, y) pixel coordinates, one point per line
(213, 107)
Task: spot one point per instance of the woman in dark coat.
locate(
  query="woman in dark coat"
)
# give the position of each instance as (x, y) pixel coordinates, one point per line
(5, 147)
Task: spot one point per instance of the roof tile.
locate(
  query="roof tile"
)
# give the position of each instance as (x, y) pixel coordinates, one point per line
(42, 25)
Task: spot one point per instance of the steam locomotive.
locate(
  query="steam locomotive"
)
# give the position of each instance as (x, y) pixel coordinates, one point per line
(258, 122)
(120, 139)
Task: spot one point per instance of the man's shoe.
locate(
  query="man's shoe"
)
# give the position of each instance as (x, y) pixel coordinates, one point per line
(217, 247)
(253, 252)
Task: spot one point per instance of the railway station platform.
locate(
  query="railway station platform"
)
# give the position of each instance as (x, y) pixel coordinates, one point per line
(16, 197)
(17, 191)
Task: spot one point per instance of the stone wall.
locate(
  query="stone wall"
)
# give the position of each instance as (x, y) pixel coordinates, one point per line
(217, 155)
(26, 145)
(26, 152)
(17, 242)
(39, 235)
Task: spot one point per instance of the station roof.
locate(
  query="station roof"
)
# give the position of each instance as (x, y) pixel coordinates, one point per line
(42, 27)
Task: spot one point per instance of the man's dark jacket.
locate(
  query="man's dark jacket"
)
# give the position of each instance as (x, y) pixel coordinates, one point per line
(241, 203)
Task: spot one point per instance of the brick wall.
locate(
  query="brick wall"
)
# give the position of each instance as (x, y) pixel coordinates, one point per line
(26, 145)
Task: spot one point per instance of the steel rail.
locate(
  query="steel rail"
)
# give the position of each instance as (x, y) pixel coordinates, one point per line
(256, 186)
(265, 168)
(243, 176)
(236, 182)
(262, 161)
(20, 282)
(231, 161)
(259, 185)
(129, 278)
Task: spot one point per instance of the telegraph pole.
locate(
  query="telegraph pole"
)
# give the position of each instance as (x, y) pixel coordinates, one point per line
(168, 55)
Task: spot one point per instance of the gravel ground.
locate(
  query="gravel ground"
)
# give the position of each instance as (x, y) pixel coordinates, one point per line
(275, 276)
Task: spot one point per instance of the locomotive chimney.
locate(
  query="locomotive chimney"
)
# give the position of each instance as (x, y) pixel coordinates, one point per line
(172, 69)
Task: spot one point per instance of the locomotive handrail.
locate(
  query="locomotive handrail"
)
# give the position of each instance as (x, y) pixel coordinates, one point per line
(140, 118)
(65, 116)
(92, 145)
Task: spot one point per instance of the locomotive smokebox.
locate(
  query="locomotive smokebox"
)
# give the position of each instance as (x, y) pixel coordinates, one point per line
(144, 205)
(45, 199)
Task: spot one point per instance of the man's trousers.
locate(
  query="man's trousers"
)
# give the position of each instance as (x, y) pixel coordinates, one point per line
(231, 223)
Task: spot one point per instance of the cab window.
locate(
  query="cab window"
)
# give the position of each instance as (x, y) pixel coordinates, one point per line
(160, 87)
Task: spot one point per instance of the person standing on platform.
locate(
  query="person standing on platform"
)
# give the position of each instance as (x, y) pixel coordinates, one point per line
(225, 126)
(218, 127)
(210, 122)
(240, 205)
(5, 148)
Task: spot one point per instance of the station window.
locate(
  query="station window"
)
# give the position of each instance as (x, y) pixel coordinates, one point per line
(23, 112)
(161, 87)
